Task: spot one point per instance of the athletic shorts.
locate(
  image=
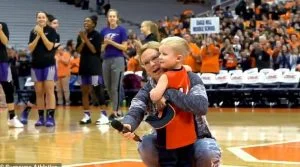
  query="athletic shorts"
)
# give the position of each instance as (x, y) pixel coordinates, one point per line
(44, 74)
(5, 72)
(94, 80)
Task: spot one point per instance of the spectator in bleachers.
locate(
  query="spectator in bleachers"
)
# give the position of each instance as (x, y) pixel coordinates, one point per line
(193, 59)
(236, 46)
(261, 58)
(274, 12)
(230, 59)
(294, 41)
(132, 63)
(115, 43)
(70, 47)
(276, 51)
(41, 45)
(74, 67)
(228, 12)
(248, 14)
(285, 58)
(226, 45)
(63, 73)
(295, 53)
(245, 63)
(74, 63)
(209, 53)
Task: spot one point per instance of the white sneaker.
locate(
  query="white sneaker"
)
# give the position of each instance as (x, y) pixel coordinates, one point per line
(15, 123)
(102, 120)
(86, 119)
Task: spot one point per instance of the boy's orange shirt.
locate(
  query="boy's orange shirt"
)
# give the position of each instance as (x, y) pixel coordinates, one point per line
(210, 59)
(63, 69)
(75, 65)
(183, 123)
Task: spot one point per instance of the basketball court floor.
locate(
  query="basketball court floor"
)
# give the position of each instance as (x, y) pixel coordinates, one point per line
(255, 137)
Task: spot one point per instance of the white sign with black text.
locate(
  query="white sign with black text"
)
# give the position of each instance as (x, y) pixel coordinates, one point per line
(205, 25)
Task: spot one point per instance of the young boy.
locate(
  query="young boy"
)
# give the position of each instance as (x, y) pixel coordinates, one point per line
(172, 149)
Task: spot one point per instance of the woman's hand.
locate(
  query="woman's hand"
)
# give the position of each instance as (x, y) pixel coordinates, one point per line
(39, 30)
(161, 104)
(128, 135)
(107, 40)
(83, 36)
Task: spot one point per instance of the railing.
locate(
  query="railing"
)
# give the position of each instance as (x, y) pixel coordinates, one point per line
(222, 4)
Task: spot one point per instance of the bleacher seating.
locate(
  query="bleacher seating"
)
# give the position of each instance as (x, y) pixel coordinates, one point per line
(251, 88)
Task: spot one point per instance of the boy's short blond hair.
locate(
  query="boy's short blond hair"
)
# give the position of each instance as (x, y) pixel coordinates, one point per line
(179, 45)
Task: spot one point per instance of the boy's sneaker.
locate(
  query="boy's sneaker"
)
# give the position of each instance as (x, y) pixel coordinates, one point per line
(86, 120)
(14, 123)
(24, 116)
(103, 119)
(40, 122)
(50, 122)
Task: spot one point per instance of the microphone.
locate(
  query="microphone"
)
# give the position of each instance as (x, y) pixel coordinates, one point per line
(121, 128)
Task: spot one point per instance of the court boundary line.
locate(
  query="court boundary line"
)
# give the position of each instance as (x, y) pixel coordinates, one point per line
(103, 162)
(122, 160)
(266, 144)
(239, 152)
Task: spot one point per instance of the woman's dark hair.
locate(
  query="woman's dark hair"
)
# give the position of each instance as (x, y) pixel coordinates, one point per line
(94, 19)
(50, 17)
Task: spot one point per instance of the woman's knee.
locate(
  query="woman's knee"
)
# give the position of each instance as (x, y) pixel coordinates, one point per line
(148, 151)
(207, 153)
(49, 88)
(85, 89)
(39, 91)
